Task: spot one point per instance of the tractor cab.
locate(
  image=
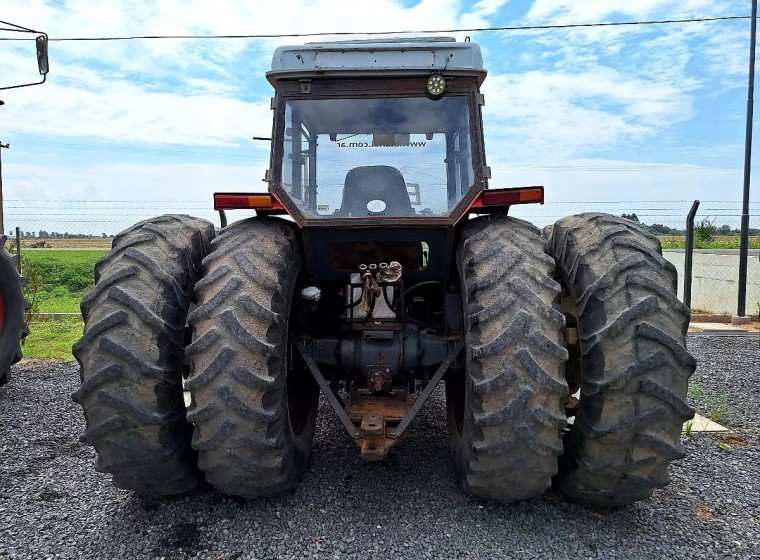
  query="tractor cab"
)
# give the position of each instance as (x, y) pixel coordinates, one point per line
(384, 130)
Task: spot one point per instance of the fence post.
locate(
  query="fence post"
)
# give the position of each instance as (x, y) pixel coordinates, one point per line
(689, 254)
(18, 250)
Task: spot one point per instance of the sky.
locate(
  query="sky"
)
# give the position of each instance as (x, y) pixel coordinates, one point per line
(622, 119)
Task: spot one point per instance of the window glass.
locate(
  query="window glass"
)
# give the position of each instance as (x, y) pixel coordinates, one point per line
(353, 158)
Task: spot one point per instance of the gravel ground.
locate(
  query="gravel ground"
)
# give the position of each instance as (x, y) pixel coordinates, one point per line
(54, 504)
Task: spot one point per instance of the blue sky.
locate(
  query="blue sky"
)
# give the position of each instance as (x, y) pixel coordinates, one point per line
(603, 116)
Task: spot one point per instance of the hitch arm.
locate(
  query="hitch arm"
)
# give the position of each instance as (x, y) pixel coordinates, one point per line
(373, 437)
(328, 393)
(425, 395)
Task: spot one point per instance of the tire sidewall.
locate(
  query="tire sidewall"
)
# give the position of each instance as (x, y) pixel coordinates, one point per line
(460, 429)
(13, 295)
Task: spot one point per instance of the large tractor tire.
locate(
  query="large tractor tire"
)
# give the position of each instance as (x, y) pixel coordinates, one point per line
(254, 411)
(131, 355)
(505, 411)
(633, 366)
(13, 328)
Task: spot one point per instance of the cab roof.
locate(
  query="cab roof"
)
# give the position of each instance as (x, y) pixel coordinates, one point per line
(375, 57)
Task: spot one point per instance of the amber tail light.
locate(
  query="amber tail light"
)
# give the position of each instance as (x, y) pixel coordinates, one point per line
(234, 201)
(501, 197)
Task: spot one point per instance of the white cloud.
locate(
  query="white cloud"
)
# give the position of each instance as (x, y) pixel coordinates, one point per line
(570, 113)
(555, 100)
(176, 91)
(124, 112)
(572, 186)
(586, 11)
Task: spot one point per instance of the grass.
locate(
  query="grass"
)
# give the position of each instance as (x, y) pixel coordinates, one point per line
(64, 278)
(54, 302)
(85, 243)
(720, 242)
(716, 407)
(53, 338)
(688, 428)
(71, 269)
(61, 278)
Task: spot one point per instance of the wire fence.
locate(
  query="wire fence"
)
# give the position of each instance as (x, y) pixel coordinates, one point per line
(715, 275)
(89, 224)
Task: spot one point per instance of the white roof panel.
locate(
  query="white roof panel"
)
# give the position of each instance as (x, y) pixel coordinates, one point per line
(405, 54)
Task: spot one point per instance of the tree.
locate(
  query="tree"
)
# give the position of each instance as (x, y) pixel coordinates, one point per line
(706, 230)
(724, 230)
(659, 229)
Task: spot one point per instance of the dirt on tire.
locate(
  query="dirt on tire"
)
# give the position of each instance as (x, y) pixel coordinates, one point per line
(254, 423)
(131, 355)
(505, 412)
(633, 364)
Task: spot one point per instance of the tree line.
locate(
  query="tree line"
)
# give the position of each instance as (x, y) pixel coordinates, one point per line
(42, 234)
(705, 229)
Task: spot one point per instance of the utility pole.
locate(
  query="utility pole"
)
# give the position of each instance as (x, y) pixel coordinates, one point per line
(741, 316)
(2, 217)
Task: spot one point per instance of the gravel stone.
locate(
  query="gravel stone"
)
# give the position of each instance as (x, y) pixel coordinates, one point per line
(54, 505)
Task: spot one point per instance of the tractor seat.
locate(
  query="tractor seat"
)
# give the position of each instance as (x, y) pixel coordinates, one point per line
(375, 182)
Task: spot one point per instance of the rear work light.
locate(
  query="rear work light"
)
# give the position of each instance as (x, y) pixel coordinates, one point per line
(235, 201)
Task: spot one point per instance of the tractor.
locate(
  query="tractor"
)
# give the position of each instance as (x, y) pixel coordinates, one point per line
(379, 266)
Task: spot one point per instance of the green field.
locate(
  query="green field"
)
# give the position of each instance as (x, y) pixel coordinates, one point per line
(719, 242)
(64, 277)
(52, 338)
(58, 279)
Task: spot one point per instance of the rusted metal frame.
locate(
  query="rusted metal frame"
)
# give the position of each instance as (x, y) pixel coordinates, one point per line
(327, 391)
(425, 395)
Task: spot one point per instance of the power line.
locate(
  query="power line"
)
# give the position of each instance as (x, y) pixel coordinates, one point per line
(16, 28)
(395, 32)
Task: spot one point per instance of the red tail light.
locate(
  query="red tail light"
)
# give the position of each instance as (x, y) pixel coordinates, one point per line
(507, 197)
(234, 201)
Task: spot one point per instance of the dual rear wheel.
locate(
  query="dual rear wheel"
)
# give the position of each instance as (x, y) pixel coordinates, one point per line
(508, 422)
(251, 419)
(250, 422)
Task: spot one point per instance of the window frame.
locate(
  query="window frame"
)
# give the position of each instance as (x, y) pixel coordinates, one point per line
(466, 86)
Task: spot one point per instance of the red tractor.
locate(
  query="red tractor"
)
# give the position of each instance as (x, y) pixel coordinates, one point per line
(380, 264)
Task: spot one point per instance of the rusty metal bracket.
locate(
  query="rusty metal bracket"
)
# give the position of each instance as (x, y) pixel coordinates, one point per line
(376, 415)
(425, 395)
(327, 391)
(374, 435)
